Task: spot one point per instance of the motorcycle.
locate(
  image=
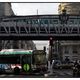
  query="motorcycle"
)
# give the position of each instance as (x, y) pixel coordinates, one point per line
(76, 71)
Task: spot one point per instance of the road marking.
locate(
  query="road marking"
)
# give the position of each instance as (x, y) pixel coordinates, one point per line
(68, 73)
(56, 76)
(3, 75)
(10, 75)
(61, 74)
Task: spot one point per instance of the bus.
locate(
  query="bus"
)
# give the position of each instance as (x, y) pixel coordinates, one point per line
(24, 61)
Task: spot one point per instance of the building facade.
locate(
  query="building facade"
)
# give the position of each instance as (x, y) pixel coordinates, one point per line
(6, 10)
(71, 8)
(70, 49)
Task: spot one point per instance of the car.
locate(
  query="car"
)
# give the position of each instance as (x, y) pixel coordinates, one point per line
(4, 67)
(62, 65)
(56, 64)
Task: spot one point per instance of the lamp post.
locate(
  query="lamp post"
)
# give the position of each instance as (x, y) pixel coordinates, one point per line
(63, 17)
(51, 45)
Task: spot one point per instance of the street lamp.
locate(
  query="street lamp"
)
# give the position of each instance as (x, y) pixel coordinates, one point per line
(51, 44)
(63, 17)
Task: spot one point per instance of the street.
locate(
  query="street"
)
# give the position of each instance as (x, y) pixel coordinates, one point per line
(63, 73)
(57, 73)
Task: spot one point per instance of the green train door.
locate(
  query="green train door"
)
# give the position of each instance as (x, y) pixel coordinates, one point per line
(26, 63)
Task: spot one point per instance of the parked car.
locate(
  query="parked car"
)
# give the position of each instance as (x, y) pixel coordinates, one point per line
(62, 65)
(56, 64)
(66, 65)
(4, 67)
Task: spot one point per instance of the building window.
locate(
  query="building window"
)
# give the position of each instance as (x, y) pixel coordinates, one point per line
(66, 50)
(75, 50)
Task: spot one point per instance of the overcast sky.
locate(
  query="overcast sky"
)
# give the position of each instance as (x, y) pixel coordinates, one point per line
(33, 9)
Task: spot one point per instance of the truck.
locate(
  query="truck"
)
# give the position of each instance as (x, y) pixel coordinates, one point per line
(40, 61)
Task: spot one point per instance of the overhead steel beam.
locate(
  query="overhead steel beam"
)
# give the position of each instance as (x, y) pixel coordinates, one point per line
(29, 27)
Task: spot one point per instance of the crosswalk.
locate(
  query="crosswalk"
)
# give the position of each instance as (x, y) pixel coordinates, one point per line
(14, 76)
(68, 73)
(63, 73)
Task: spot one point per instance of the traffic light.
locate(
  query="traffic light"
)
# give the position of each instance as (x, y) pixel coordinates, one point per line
(44, 48)
(51, 41)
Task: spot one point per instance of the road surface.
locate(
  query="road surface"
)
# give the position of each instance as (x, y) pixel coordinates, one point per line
(57, 73)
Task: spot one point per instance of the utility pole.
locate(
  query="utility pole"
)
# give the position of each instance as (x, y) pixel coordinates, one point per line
(51, 45)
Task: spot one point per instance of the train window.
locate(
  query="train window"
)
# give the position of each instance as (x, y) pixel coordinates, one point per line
(79, 21)
(24, 20)
(41, 21)
(35, 21)
(51, 22)
(46, 21)
(55, 21)
(15, 20)
(29, 21)
(6, 21)
(75, 21)
(71, 21)
(19, 20)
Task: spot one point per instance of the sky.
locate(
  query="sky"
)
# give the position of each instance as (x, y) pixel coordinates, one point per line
(34, 9)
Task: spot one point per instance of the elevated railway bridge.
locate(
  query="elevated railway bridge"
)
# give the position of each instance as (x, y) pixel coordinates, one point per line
(36, 27)
(40, 27)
